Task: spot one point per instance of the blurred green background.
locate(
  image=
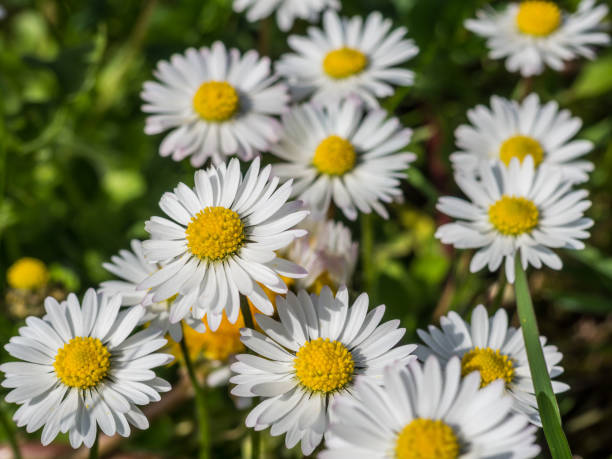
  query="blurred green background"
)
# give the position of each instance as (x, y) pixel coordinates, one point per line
(78, 178)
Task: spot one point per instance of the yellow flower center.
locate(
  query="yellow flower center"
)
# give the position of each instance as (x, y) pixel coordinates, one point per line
(427, 439)
(28, 274)
(215, 233)
(215, 345)
(519, 147)
(344, 62)
(324, 366)
(513, 216)
(538, 18)
(216, 101)
(82, 362)
(323, 280)
(491, 364)
(334, 156)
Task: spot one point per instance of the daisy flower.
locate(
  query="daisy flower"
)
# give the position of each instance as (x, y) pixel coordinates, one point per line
(309, 358)
(349, 57)
(427, 412)
(493, 349)
(536, 33)
(132, 268)
(27, 273)
(342, 152)
(80, 370)
(510, 129)
(220, 241)
(217, 103)
(328, 253)
(512, 210)
(286, 10)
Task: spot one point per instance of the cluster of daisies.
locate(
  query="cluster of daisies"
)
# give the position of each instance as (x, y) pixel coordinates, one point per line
(260, 240)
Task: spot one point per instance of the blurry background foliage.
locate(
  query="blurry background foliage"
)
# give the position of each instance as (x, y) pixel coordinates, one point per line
(78, 177)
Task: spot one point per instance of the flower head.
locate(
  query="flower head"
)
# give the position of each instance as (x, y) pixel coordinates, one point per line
(217, 103)
(286, 10)
(81, 369)
(309, 358)
(27, 274)
(349, 57)
(536, 33)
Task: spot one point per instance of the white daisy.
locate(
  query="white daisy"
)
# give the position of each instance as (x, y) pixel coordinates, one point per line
(217, 103)
(309, 358)
(80, 369)
(221, 241)
(536, 33)
(133, 268)
(349, 57)
(286, 10)
(515, 209)
(342, 152)
(493, 349)
(424, 412)
(510, 129)
(328, 253)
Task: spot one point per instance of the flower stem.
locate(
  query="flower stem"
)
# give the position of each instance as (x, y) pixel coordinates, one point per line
(93, 451)
(249, 321)
(200, 398)
(9, 432)
(547, 403)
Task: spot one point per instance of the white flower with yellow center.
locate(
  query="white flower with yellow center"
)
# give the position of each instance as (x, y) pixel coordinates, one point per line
(536, 33)
(424, 412)
(311, 357)
(220, 241)
(515, 210)
(81, 369)
(349, 57)
(509, 129)
(328, 253)
(342, 152)
(217, 103)
(132, 268)
(286, 10)
(490, 347)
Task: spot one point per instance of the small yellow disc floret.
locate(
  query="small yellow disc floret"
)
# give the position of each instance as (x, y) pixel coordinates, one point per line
(491, 364)
(427, 439)
(520, 146)
(513, 216)
(82, 362)
(216, 101)
(215, 233)
(324, 366)
(344, 62)
(334, 156)
(538, 18)
(28, 274)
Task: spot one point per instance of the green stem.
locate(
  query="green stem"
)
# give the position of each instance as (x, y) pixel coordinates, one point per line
(93, 451)
(249, 321)
(547, 403)
(10, 433)
(200, 398)
(367, 258)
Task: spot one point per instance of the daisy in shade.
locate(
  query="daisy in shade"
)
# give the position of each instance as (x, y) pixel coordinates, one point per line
(490, 347)
(132, 268)
(309, 358)
(286, 10)
(216, 102)
(220, 241)
(343, 153)
(536, 33)
(428, 413)
(515, 210)
(81, 369)
(349, 57)
(328, 253)
(510, 129)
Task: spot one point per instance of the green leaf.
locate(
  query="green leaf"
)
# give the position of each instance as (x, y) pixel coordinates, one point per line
(595, 79)
(549, 411)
